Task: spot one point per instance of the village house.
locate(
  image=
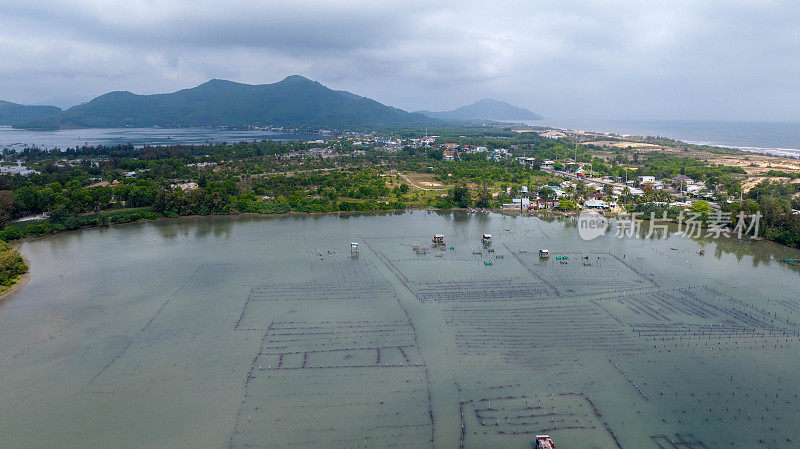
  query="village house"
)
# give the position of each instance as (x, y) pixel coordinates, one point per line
(498, 154)
(636, 192)
(646, 179)
(542, 203)
(518, 204)
(185, 186)
(596, 204)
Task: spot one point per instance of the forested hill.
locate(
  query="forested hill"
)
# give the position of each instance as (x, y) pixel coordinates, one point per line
(295, 102)
(486, 109)
(12, 114)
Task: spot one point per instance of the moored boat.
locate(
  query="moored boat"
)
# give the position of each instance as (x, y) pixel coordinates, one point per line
(544, 253)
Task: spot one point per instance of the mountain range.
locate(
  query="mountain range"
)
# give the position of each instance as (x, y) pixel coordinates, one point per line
(13, 114)
(294, 102)
(486, 109)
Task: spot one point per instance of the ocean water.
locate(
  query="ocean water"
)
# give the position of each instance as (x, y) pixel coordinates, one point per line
(17, 139)
(779, 138)
(242, 332)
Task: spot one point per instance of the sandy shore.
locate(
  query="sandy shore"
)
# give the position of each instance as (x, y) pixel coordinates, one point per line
(755, 165)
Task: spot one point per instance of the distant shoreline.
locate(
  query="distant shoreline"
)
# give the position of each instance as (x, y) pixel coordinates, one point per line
(771, 138)
(785, 149)
(778, 152)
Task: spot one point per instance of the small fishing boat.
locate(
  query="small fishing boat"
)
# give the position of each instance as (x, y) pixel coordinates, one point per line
(544, 442)
(544, 253)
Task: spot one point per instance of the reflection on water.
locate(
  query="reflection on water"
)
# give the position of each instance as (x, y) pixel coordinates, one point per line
(760, 252)
(259, 331)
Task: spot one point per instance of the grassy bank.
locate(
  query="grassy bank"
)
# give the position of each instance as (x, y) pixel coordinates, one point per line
(36, 228)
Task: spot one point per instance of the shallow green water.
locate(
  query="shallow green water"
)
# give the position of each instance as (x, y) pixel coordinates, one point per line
(264, 332)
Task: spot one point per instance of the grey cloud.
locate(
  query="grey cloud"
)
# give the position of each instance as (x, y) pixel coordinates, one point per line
(731, 59)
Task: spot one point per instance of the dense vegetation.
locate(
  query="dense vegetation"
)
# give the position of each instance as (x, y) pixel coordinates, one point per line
(11, 265)
(101, 185)
(783, 174)
(12, 114)
(97, 186)
(775, 201)
(295, 102)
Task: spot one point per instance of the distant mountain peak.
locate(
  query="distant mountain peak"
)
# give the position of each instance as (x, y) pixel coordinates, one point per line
(120, 93)
(218, 81)
(214, 84)
(485, 109)
(298, 78)
(489, 100)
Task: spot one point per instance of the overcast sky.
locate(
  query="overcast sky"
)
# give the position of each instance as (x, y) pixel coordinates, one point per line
(697, 59)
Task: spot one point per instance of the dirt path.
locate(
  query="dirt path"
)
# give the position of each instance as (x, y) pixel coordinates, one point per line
(418, 187)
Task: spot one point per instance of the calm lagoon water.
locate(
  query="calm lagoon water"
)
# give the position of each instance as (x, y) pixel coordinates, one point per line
(236, 332)
(19, 139)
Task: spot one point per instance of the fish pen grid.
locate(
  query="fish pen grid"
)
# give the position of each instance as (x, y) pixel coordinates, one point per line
(707, 393)
(662, 305)
(699, 312)
(353, 379)
(679, 441)
(351, 281)
(532, 415)
(500, 415)
(682, 331)
(730, 343)
(461, 276)
(304, 345)
(793, 306)
(336, 407)
(351, 278)
(576, 326)
(511, 315)
(319, 291)
(573, 273)
(320, 380)
(479, 291)
(745, 309)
